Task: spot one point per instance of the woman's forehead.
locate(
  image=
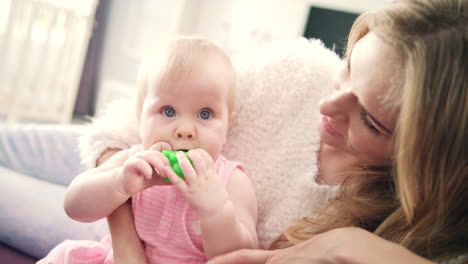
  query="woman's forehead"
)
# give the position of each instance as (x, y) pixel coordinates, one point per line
(374, 70)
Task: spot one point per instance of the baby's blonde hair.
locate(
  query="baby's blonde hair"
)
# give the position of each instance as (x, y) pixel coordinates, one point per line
(176, 60)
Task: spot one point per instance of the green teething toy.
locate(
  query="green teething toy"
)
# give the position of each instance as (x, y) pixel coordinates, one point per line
(171, 156)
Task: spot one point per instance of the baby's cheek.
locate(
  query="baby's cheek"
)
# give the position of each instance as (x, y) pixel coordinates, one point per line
(215, 146)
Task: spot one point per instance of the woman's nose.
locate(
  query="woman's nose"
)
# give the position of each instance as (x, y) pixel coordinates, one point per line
(337, 105)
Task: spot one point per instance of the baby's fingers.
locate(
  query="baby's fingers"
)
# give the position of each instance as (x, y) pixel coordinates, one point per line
(156, 159)
(205, 156)
(176, 180)
(202, 161)
(186, 167)
(138, 167)
(160, 146)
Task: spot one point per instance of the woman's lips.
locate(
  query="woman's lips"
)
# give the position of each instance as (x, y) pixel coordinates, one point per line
(328, 127)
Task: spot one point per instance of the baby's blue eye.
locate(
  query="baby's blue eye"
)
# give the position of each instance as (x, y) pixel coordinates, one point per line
(169, 111)
(205, 114)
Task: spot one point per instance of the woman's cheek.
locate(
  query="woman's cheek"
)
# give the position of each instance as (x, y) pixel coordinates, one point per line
(368, 147)
(376, 153)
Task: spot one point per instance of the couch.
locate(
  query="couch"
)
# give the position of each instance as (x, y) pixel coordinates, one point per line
(37, 162)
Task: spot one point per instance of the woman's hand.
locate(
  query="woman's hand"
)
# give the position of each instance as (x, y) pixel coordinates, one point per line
(341, 246)
(127, 246)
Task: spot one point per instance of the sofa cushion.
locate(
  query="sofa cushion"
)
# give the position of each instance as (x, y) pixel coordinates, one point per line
(32, 218)
(47, 152)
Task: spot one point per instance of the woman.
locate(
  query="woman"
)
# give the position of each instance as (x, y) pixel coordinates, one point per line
(394, 134)
(421, 50)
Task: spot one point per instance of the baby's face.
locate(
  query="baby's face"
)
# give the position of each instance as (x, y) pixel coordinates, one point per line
(189, 113)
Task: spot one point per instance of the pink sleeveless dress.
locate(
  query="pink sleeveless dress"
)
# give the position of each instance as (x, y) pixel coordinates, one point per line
(166, 224)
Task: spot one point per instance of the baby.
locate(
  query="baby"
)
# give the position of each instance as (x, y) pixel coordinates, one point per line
(185, 101)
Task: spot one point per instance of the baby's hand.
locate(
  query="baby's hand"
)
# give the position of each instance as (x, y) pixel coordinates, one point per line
(143, 169)
(160, 146)
(203, 189)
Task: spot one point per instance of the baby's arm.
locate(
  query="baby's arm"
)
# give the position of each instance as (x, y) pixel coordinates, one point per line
(96, 193)
(228, 216)
(93, 194)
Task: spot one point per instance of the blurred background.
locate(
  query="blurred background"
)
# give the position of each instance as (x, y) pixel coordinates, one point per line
(63, 60)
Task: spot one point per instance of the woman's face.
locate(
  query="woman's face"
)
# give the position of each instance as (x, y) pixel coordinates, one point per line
(354, 119)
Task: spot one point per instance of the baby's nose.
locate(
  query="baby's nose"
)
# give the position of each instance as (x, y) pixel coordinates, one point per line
(185, 131)
(185, 134)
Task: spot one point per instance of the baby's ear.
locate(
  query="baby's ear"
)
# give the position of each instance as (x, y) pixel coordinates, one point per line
(232, 116)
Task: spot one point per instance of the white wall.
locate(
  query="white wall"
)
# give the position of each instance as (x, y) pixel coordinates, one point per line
(356, 6)
(238, 24)
(233, 24)
(132, 27)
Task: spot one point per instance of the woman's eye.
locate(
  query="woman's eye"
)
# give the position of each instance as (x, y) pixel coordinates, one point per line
(369, 125)
(205, 114)
(168, 111)
(348, 64)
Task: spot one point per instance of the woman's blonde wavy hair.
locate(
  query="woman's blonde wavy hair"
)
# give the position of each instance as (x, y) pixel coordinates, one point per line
(421, 200)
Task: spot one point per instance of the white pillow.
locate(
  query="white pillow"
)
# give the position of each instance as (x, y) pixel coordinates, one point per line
(275, 134)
